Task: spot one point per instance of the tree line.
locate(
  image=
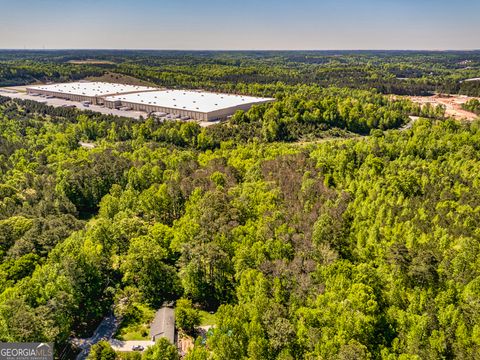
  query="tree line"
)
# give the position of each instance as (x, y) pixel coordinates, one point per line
(347, 248)
(394, 72)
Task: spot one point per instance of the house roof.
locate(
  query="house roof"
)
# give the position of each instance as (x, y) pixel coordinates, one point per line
(163, 324)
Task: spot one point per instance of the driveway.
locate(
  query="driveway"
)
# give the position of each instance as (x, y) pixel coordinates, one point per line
(105, 330)
(119, 345)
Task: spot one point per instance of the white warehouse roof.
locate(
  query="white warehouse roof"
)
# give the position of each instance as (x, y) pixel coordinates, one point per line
(198, 101)
(91, 88)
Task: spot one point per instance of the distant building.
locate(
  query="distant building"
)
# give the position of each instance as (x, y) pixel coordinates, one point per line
(93, 92)
(186, 104)
(171, 104)
(163, 325)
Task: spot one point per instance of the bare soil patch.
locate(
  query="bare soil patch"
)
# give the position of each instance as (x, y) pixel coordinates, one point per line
(120, 79)
(185, 343)
(452, 103)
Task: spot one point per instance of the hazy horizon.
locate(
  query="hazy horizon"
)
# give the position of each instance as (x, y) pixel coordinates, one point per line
(228, 26)
(240, 50)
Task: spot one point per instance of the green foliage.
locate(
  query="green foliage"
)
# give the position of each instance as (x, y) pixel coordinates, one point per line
(398, 72)
(162, 350)
(146, 266)
(85, 182)
(134, 355)
(197, 353)
(363, 247)
(207, 318)
(102, 351)
(186, 317)
(135, 324)
(472, 105)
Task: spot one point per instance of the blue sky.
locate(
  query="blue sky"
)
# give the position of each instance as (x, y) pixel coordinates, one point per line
(242, 24)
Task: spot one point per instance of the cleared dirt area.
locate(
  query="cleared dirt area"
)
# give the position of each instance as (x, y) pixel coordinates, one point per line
(452, 103)
(185, 343)
(111, 77)
(14, 89)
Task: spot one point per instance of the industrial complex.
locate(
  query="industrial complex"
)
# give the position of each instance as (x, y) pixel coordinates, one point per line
(184, 104)
(93, 92)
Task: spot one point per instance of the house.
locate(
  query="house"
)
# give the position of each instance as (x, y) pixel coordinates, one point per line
(163, 325)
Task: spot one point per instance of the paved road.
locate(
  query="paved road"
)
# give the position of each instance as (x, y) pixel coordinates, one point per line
(105, 330)
(410, 123)
(119, 345)
(87, 145)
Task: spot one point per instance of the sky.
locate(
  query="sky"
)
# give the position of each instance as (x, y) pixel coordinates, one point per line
(240, 25)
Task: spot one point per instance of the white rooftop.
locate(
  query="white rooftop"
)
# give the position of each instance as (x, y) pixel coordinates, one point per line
(198, 101)
(91, 88)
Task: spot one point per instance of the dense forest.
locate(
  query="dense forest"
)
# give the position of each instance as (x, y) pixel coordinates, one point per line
(389, 72)
(472, 105)
(358, 248)
(338, 222)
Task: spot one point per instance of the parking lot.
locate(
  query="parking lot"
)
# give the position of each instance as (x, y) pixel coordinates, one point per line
(19, 93)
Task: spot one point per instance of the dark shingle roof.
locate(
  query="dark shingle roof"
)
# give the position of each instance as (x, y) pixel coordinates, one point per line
(163, 324)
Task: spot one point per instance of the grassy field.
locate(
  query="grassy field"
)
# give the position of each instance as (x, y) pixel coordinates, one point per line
(136, 326)
(207, 318)
(140, 332)
(120, 79)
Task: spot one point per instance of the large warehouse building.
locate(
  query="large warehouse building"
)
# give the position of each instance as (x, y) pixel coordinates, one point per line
(93, 92)
(198, 105)
(185, 104)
